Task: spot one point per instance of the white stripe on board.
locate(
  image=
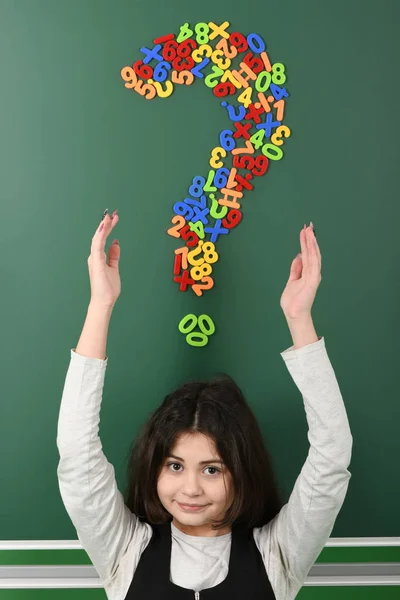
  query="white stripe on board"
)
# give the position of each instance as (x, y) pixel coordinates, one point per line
(359, 542)
(355, 542)
(85, 576)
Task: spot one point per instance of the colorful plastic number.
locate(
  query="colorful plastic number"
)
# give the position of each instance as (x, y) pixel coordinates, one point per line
(216, 154)
(255, 136)
(195, 338)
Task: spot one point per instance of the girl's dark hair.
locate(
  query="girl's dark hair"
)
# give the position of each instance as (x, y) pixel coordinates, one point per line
(218, 409)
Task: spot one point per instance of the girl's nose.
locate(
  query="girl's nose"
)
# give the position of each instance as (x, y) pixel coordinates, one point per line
(191, 486)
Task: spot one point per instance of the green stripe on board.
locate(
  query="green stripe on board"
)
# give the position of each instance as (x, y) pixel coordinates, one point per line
(359, 554)
(79, 557)
(344, 593)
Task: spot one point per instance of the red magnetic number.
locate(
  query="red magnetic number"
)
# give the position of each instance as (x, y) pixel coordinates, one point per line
(164, 38)
(184, 280)
(258, 165)
(232, 219)
(255, 63)
(223, 89)
(184, 51)
(261, 165)
(239, 41)
(144, 71)
(191, 238)
(243, 162)
(169, 50)
(177, 264)
(183, 63)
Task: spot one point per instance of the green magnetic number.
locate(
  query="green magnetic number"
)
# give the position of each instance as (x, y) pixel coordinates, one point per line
(262, 87)
(191, 339)
(202, 30)
(185, 33)
(209, 80)
(214, 213)
(205, 319)
(268, 148)
(183, 328)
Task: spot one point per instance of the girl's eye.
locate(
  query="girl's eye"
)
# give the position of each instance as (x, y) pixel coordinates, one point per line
(175, 471)
(169, 464)
(214, 469)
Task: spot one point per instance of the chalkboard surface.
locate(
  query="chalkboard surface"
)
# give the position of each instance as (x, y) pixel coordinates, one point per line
(74, 141)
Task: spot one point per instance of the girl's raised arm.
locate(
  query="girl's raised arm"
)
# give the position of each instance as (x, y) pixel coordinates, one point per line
(87, 483)
(295, 537)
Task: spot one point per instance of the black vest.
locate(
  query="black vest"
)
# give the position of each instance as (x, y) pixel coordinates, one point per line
(246, 578)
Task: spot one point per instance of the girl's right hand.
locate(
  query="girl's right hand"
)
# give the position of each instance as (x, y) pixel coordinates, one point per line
(105, 283)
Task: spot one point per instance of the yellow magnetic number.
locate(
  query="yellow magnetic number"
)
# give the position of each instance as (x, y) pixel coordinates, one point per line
(216, 154)
(277, 137)
(222, 63)
(201, 51)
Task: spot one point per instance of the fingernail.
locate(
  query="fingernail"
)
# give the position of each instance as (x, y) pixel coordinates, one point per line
(105, 212)
(114, 213)
(313, 228)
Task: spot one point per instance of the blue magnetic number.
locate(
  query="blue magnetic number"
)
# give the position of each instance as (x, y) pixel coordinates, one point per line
(268, 125)
(278, 92)
(221, 177)
(216, 230)
(226, 140)
(200, 215)
(151, 53)
(256, 44)
(199, 203)
(232, 111)
(196, 189)
(182, 209)
(198, 68)
(161, 71)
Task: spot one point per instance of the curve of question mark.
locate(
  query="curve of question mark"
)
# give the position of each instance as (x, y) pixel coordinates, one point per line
(257, 87)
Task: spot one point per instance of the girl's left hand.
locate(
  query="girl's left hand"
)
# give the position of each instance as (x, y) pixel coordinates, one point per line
(304, 279)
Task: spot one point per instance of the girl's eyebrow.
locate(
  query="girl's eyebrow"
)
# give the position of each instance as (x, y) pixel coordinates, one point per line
(203, 462)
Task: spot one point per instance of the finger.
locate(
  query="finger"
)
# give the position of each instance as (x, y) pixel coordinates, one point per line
(315, 246)
(312, 252)
(304, 249)
(114, 254)
(318, 252)
(295, 269)
(100, 237)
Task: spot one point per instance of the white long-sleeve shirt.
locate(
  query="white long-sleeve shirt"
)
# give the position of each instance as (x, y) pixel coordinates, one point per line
(114, 538)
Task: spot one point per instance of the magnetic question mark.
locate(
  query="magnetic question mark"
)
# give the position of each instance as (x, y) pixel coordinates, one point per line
(185, 57)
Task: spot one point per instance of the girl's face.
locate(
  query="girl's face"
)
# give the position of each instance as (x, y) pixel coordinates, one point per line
(193, 475)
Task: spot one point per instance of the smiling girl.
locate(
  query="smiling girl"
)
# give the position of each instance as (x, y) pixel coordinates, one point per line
(202, 518)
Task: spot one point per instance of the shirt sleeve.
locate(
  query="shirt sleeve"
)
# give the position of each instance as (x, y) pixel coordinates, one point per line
(299, 532)
(104, 524)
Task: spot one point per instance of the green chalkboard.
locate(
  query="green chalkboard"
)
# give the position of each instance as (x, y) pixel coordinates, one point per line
(74, 141)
